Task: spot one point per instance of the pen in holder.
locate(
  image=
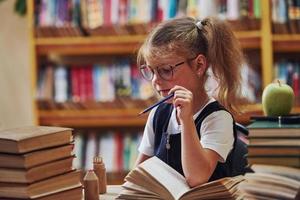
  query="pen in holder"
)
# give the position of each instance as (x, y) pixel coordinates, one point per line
(100, 171)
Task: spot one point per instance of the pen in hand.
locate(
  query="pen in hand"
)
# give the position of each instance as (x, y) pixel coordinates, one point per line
(157, 103)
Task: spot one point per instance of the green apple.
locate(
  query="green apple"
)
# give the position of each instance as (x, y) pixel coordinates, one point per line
(277, 99)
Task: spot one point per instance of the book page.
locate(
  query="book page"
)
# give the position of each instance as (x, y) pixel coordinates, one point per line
(139, 177)
(173, 181)
(279, 170)
(267, 190)
(273, 180)
(137, 188)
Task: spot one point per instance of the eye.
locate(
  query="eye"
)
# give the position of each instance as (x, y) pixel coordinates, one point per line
(147, 72)
(165, 70)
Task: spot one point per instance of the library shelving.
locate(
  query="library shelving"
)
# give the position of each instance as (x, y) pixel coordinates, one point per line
(261, 40)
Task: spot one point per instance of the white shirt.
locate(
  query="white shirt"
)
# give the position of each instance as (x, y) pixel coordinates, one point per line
(216, 132)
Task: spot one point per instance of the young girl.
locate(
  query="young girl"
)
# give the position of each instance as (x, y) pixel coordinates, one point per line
(193, 132)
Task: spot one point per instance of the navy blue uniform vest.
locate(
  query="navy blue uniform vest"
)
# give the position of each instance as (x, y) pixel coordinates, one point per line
(236, 161)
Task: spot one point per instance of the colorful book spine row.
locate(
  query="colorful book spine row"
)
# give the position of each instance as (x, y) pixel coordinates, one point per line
(287, 71)
(97, 82)
(118, 150)
(116, 85)
(286, 16)
(86, 15)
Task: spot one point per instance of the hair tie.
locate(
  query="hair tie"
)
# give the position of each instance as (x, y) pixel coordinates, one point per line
(199, 25)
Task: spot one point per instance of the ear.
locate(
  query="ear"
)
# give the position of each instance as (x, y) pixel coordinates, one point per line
(201, 65)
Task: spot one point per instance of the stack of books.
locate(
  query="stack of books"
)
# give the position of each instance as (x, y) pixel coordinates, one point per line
(271, 182)
(36, 163)
(275, 143)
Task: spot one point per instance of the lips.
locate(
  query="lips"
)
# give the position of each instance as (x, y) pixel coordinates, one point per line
(164, 92)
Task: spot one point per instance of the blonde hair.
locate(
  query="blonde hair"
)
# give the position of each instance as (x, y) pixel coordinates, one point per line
(210, 37)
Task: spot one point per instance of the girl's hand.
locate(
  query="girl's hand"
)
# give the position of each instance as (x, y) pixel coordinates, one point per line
(183, 102)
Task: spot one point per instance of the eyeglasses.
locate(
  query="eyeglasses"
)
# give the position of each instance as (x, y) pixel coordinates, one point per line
(165, 72)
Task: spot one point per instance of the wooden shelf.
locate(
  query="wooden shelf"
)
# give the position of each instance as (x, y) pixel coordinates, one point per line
(121, 117)
(286, 42)
(120, 44)
(125, 44)
(249, 39)
(93, 118)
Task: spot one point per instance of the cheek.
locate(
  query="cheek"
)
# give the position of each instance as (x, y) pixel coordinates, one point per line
(187, 81)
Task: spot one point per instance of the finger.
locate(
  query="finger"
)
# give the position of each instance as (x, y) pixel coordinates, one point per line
(182, 94)
(181, 102)
(176, 88)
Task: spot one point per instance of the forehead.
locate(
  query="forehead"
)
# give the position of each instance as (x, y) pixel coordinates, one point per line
(156, 61)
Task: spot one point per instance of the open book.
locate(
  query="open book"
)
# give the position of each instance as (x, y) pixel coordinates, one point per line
(154, 179)
(271, 182)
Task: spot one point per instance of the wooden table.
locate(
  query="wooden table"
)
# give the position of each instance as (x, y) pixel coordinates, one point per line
(112, 192)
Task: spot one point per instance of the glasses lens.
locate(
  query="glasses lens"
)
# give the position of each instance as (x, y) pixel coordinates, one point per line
(165, 72)
(147, 73)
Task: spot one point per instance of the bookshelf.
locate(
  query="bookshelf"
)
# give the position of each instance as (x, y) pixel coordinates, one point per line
(261, 40)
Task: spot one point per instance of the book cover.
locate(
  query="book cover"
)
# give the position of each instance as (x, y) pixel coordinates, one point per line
(32, 159)
(34, 174)
(29, 138)
(41, 188)
(265, 124)
(271, 182)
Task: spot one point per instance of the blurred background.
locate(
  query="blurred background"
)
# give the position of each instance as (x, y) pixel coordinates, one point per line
(15, 84)
(71, 63)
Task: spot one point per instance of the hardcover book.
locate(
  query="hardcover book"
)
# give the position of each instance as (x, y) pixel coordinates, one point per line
(27, 139)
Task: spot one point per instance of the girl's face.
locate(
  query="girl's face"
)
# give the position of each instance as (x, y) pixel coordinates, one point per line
(171, 71)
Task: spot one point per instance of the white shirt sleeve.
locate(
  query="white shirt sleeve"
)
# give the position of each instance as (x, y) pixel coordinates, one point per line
(217, 133)
(147, 143)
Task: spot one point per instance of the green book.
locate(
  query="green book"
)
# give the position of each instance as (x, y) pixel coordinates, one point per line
(273, 129)
(272, 125)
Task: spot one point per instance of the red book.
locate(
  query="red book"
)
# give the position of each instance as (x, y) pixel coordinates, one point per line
(296, 84)
(119, 151)
(75, 84)
(82, 84)
(89, 82)
(123, 12)
(107, 12)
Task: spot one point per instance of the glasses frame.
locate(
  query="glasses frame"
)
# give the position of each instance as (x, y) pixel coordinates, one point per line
(157, 70)
(172, 67)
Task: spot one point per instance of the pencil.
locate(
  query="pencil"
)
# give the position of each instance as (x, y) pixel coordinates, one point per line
(157, 103)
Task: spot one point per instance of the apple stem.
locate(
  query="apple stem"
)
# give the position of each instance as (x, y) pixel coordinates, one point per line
(279, 82)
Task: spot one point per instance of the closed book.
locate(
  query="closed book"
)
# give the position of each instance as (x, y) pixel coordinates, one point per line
(271, 182)
(41, 188)
(274, 142)
(27, 139)
(37, 173)
(29, 160)
(273, 150)
(69, 194)
(273, 129)
(292, 161)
